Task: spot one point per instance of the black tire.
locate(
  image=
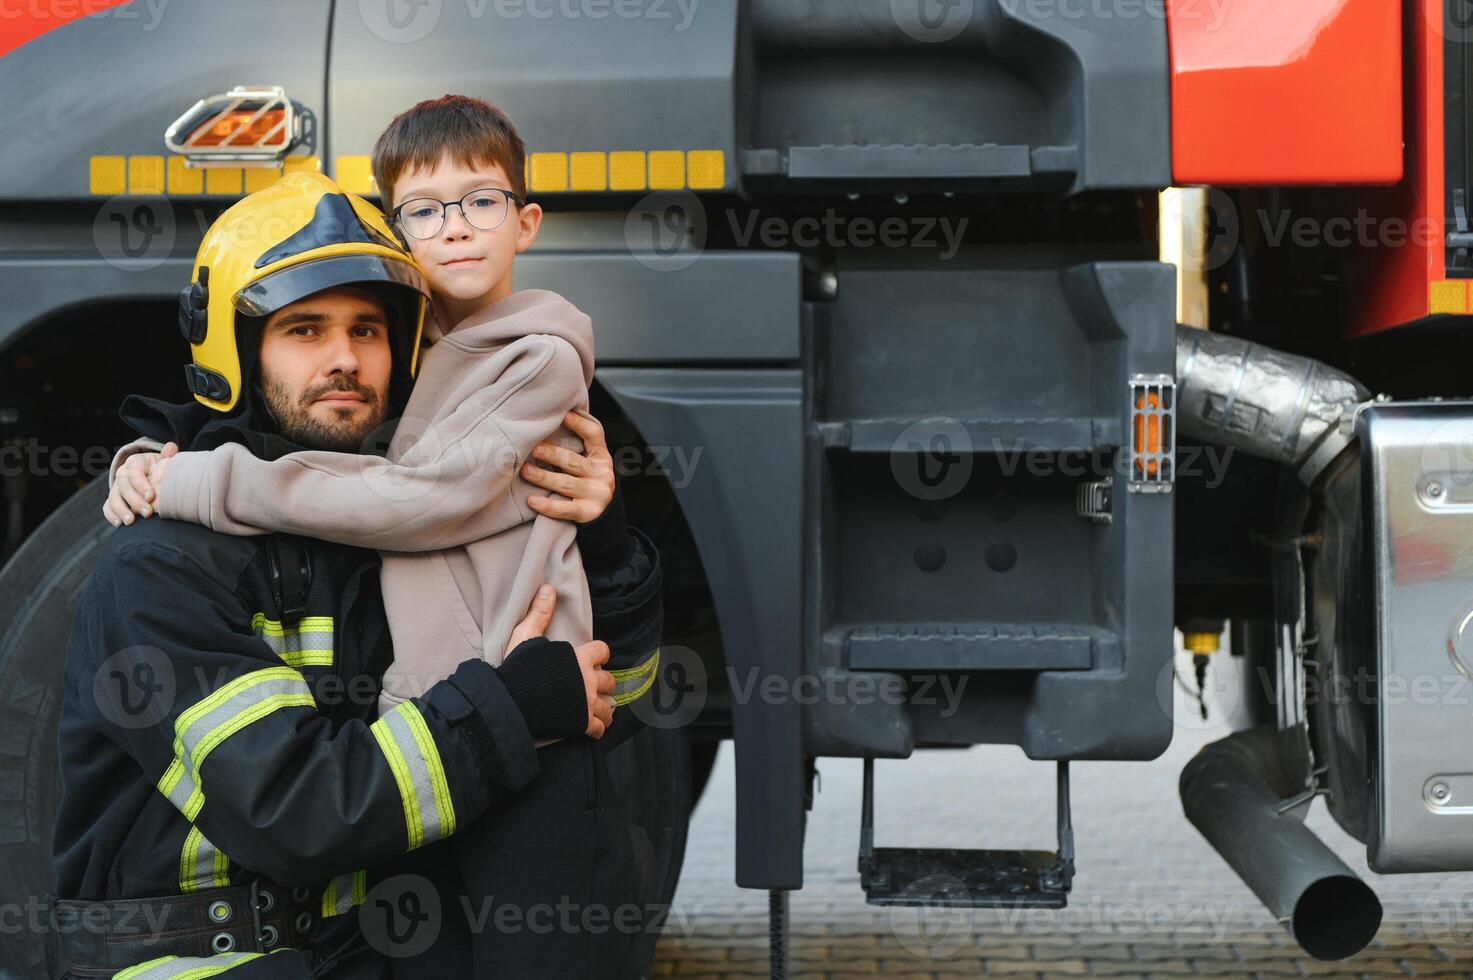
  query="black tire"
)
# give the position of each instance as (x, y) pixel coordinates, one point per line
(38, 591)
(702, 761)
(653, 772)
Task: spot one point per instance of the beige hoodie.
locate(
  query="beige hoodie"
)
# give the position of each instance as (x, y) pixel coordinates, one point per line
(463, 554)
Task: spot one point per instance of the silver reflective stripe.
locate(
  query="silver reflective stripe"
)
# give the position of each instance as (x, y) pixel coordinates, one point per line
(410, 751)
(189, 967)
(202, 864)
(343, 892)
(631, 682)
(308, 643)
(214, 718)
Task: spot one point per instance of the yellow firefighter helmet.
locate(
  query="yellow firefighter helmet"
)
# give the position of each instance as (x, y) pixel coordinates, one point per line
(302, 234)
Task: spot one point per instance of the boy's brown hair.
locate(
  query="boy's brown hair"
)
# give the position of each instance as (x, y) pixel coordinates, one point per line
(472, 132)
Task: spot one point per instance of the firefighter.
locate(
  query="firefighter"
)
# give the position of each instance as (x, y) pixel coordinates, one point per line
(229, 794)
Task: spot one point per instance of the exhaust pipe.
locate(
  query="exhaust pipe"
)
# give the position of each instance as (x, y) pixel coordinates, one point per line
(1232, 792)
(1232, 392)
(1289, 409)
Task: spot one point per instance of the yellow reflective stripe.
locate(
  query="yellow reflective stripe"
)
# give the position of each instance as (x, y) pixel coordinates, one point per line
(418, 772)
(439, 785)
(222, 867)
(344, 892)
(307, 624)
(330, 899)
(632, 682)
(201, 728)
(307, 644)
(201, 863)
(190, 967)
(400, 768)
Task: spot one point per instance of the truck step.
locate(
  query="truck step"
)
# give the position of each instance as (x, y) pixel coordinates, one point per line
(959, 878)
(1013, 434)
(952, 878)
(972, 646)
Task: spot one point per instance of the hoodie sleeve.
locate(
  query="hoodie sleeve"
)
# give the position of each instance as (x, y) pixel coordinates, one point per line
(453, 486)
(139, 445)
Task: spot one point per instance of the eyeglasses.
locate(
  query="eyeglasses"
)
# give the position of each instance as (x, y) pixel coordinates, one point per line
(484, 208)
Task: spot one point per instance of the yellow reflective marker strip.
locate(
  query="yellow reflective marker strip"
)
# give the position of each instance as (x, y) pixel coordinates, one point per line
(183, 180)
(222, 180)
(1448, 296)
(585, 171)
(107, 175)
(307, 644)
(210, 721)
(159, 176)
(146, 175)
(190, 967)
(626, 170)
(588, 171)
(580, 171)
(666, 170)
(414, 760)
(632, 682)
(344, 892)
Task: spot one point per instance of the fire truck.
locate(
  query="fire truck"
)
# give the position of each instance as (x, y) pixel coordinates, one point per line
(918, 325)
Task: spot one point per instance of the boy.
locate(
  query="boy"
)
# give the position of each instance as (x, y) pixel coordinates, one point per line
(503, 370)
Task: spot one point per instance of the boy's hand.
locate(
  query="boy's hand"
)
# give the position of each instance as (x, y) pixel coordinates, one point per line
(586, 480)
(135, 487)
(598, 683)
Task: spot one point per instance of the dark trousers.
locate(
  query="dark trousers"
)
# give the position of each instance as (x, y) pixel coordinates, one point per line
(543, 885)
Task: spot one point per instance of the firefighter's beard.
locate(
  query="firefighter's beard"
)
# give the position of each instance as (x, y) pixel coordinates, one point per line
(339, 430)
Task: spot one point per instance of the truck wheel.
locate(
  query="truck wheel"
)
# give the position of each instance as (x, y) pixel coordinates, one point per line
(653, 772)
(38, 591)
(702, 761)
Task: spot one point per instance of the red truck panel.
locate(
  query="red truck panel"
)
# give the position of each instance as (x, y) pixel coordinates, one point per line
(1275, 92)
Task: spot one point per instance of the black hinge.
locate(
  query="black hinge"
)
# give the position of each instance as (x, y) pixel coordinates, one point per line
(1460, 239)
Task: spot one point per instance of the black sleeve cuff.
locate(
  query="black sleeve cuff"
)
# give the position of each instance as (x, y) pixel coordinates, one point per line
(480, 708)
(628, 612)
(544, 679)
(604, 542)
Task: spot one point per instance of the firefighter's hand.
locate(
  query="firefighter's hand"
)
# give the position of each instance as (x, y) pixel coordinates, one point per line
(583, 481)
(134, 488)
(598, 683)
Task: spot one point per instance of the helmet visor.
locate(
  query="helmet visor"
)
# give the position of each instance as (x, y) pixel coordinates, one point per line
(270, 293)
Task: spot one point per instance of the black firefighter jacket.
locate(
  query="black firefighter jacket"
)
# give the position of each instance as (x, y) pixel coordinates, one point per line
(208, 738)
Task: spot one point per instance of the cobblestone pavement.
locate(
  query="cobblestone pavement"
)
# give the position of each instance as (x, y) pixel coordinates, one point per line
(1150, 899)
